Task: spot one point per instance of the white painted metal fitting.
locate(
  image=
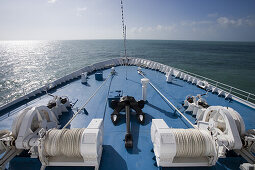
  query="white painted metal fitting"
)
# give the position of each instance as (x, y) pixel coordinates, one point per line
(144, 82)
(113, 70)
(84, 77)
(169, 76)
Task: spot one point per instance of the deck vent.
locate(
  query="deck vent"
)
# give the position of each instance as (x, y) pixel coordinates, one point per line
(99, 76)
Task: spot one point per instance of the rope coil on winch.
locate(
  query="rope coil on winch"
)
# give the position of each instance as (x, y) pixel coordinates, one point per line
(64, 142)
(193, 143)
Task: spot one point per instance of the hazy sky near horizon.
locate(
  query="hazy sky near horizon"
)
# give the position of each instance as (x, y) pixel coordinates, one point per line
(223, 20)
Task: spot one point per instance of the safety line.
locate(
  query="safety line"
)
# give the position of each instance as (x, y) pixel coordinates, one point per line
(107, 97)
(170, 103)
(87, 101)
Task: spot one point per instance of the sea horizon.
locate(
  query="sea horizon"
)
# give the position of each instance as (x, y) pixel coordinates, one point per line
(29, 64)
(248, 41)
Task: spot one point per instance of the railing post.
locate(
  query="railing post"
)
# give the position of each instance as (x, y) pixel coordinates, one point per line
(230, 90)
(248, 97)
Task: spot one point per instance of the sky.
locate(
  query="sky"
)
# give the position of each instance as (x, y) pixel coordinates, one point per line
(211, 20)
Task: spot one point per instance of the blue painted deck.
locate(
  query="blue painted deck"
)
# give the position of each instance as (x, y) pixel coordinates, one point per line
(115, 155)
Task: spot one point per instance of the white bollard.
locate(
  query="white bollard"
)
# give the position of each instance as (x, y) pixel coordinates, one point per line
(169, 76)
(144, 82)
(84, 77)
(113, 70)
(139, 69)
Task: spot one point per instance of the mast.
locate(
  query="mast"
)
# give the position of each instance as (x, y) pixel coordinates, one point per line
(124, 34)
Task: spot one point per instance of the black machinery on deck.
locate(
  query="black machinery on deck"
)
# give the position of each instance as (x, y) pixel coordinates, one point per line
(127, 102)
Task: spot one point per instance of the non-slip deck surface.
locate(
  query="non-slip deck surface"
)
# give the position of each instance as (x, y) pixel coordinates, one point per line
(115, 155)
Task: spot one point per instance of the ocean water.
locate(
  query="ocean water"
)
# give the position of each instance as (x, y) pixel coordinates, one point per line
(27, 65)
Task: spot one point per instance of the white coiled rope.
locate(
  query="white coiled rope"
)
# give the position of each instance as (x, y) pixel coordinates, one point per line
(64, 142)
(193, 143)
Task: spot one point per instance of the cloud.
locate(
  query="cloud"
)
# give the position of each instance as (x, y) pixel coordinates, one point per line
(149, 28)
(133, 29)
(225, 21)
(250, 21)
(52, 1)
(171, 27)
(80, 11)
(195, 23)
(214, 28)
(157, 28)
(138, 29)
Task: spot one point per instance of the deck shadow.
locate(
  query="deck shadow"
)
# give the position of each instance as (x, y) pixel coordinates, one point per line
(134, 128)
(175, 84)
(86, 84)
(135, 131)
(189, 168)
(111, 159)
(168, 114)
(122, 119)
(65, 117)
(148, 119)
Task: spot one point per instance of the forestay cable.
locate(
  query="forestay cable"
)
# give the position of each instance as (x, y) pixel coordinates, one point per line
(169, 102)
(124, 33)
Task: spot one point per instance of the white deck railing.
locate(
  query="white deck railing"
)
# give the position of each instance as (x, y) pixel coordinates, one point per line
(230, 89)
(246, 97)
(238, 93)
